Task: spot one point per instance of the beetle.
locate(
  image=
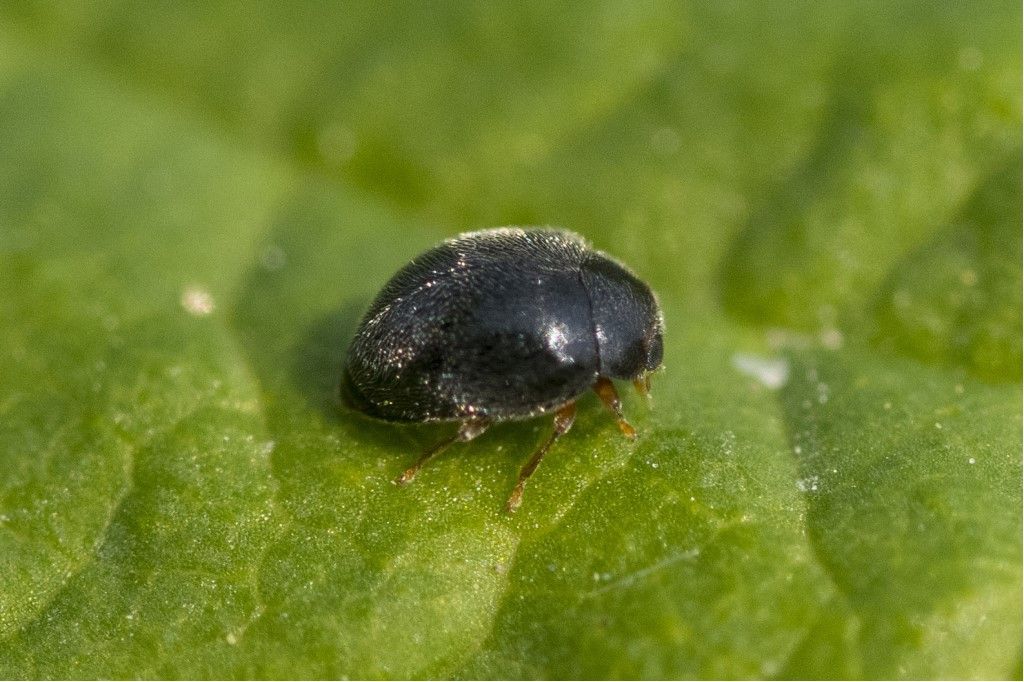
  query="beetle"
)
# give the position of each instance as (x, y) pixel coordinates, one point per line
(503, 324)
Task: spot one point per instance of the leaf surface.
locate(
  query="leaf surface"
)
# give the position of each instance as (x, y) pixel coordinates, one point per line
(196, 208)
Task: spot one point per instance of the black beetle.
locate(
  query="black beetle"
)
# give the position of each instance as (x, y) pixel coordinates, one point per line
(502, 324)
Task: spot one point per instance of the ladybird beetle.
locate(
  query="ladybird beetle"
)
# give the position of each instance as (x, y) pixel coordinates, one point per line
(503, 324)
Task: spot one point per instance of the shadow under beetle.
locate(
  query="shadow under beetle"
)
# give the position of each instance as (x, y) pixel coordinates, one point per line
(503, 324)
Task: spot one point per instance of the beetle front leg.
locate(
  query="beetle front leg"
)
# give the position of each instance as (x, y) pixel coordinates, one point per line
(605, 390)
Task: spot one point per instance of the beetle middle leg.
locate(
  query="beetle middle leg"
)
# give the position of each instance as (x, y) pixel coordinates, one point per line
(469, 430)
(605, 390)
(563, 422)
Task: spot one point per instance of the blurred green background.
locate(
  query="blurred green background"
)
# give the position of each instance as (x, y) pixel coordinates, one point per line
(198, 200)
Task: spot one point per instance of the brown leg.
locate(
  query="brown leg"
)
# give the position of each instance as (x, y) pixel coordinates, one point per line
(605, 389)
(467, 432)
(563, 422)
(643, 386)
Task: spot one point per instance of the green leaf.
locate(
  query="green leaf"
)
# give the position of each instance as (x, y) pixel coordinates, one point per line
(196, 207)
(955, 301)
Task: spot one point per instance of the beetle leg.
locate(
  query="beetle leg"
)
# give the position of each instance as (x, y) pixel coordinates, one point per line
(469, 430)
(605, 390)
(643, 386)
(563, 422)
